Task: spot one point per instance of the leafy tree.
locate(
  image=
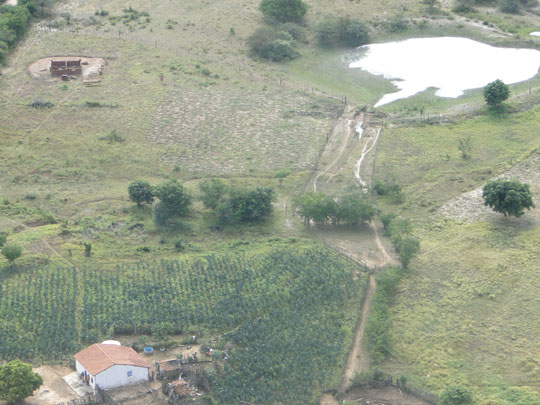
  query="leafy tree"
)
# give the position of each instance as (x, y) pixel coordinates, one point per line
(508, 197)
(496, 92)
(174, 198)
(247, 205)
(212, 192)
(455, 395)
(18, 381)
(283, 10)
(12, 252)
(354, 208)
(316, 206)
(140, 192)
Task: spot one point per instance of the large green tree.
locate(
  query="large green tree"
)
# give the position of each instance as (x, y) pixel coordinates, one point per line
(496, 92)
(174, 197)
(17, 381)
(509, 197)
(140, 192)
(284, 10)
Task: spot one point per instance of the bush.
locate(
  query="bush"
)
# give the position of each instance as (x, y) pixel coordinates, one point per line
(174, 198)
(112, 136)
(12, 252)
(140, 192)
(296, 31)
(283, 10)
(268, 43)
(341, 32)
(455, 395)
(41, 104)
(3, 239)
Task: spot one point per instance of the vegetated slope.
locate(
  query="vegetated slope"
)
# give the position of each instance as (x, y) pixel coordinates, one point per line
(290, 313)
(468, 311)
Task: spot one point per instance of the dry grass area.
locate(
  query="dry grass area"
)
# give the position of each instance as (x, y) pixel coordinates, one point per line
(225, 129)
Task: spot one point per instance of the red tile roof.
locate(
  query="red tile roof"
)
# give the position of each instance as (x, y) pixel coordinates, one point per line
(100, 357)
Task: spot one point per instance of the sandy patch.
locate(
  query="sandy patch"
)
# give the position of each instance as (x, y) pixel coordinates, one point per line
(54, 389)
(40, 68)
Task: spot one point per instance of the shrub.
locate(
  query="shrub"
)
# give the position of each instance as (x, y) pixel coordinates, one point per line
(268, 43)
(283, 10)
(140, 192)
(112, 136)
(3, 239)
(41, 104)
(455, 395)
(12, 252)
(174, 198)
(296, 31)
(341, 32)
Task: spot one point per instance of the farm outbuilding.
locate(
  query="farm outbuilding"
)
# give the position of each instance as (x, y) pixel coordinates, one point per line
(107, 366)
(65, 67)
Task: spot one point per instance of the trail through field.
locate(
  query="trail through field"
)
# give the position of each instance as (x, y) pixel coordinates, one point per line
(337, 143)
(362, 244)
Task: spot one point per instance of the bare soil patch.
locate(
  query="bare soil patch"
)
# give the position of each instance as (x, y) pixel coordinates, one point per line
(54, 389)
(470, 207)
(40, 68)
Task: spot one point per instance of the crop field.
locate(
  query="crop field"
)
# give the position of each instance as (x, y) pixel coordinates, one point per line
(49, 312)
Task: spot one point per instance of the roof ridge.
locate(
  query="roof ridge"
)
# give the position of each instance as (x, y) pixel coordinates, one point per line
(105, 353)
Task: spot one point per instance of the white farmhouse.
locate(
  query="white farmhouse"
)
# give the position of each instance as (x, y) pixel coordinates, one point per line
(109, 366)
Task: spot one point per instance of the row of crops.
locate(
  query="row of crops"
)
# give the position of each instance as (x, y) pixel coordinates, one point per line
(290, 315)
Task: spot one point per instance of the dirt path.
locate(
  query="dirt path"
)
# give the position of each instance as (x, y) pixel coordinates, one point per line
(358, 359)
(339, 140)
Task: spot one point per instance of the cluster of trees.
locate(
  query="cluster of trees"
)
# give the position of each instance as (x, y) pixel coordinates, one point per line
(235, 204)
(278, 40)
(350, 209)
(174, 200)
(342, 31)
(18, 381)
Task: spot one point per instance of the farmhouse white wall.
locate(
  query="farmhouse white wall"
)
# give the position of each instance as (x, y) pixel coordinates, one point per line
(117, 375)
(80, 369)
